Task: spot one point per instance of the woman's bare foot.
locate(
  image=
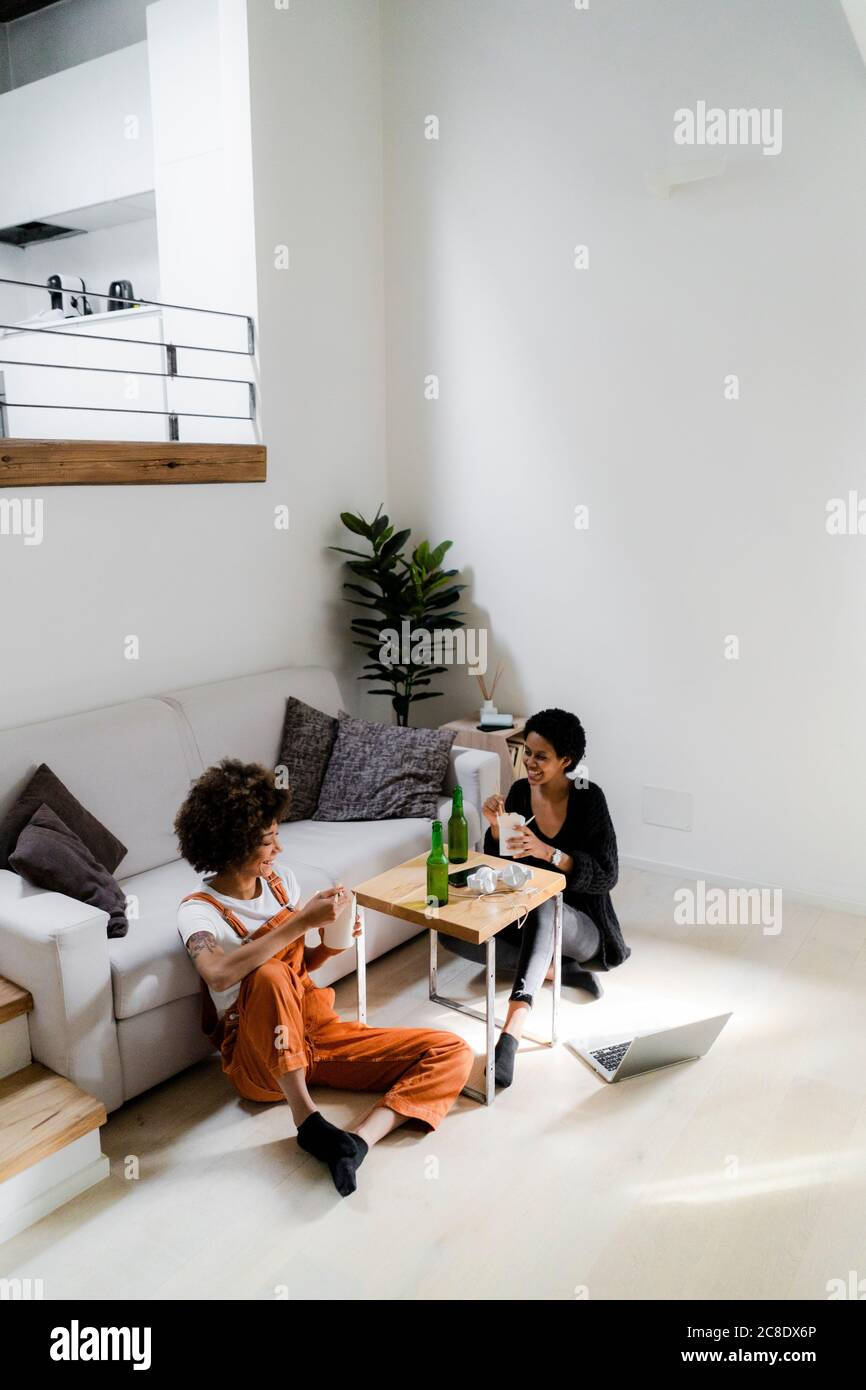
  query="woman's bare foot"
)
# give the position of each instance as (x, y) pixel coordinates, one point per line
(518, 1012)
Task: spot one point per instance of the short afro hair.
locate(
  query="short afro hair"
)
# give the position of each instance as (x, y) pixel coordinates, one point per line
(226, 813)
(563, 731)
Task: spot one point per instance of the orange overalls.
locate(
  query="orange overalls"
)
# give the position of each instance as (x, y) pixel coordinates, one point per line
(282, 1021)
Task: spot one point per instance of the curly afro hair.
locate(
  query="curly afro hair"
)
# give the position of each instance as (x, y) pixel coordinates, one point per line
(563, 731)
(226, 813)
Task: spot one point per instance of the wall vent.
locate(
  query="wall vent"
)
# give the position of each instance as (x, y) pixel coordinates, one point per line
(29, 233)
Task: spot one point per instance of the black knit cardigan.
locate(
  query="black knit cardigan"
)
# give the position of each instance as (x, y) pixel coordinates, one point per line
(588, 836)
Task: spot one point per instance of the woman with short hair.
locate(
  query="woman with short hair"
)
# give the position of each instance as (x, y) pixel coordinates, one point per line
(571, 832)
(276, 1031)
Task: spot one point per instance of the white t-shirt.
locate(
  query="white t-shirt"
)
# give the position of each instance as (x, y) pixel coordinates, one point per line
(252, 912)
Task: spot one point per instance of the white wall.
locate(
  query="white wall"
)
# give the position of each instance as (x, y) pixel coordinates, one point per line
(12, 302)
(605, 387)
(13, 299)
(71, 32)
(200, 97)
(199, 573)
(75, 139)
(317, 167)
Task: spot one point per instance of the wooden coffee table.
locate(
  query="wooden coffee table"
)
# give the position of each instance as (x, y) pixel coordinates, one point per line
(401, 892)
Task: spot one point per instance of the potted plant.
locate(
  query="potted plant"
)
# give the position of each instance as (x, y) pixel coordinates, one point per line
(408, 600)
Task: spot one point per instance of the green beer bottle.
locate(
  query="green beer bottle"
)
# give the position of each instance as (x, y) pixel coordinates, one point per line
(458, 830)
(437, 870)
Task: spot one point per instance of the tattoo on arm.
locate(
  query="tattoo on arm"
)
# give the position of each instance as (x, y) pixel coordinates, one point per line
(200, 941)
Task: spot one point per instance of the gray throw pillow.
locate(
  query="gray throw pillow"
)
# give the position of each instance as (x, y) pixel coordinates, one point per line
(46, 789)
(384, 772)
(305, 748)
(52, 856)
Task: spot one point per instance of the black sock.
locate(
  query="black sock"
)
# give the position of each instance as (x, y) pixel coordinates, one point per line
(344, 1168)
(343, 1151)
(580, 979)
(506, 1051)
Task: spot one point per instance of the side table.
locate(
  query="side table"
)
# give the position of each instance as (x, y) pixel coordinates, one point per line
(401, 892)
(508, 743)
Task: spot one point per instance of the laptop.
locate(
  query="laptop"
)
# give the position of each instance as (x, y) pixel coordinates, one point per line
(614, 1059)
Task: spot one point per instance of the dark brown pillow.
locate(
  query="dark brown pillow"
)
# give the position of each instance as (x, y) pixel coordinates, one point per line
(305, 748)
(46, 789)
(384, 772)
(50, 855)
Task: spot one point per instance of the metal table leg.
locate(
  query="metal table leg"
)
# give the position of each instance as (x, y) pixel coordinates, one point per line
(490, 1011)
(488, 1017)
(434, 963)
(557, 969)
(361, 967)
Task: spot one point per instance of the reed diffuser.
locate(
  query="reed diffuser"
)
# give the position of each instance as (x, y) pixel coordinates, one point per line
(488, 709)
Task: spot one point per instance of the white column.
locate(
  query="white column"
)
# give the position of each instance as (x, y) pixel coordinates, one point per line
(200, 99)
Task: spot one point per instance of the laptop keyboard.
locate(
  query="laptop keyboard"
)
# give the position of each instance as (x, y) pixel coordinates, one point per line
(610, 1057)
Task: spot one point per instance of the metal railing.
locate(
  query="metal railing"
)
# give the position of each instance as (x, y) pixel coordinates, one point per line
(171, 350)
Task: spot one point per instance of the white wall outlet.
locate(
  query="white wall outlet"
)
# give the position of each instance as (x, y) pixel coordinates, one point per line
(660, 806)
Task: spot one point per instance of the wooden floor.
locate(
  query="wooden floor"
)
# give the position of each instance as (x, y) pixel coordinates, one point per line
(739, 1176)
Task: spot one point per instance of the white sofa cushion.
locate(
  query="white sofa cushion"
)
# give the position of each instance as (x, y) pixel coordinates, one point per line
(353, 850)
(243, 718)
(128, 765)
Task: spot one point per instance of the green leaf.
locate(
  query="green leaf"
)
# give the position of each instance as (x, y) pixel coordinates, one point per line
(437, 578)
(359, 589)
(355, 524)
(341, 550)
(394, 545)
(437, 555)
(449, 596)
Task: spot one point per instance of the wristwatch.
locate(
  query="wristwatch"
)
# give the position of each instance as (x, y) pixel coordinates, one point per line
(555, 858)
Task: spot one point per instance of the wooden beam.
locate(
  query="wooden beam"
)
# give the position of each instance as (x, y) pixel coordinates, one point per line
(54, 462)
(13, 1000)
(39, 1114)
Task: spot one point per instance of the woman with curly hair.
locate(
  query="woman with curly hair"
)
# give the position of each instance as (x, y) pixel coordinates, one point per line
(571, 831)
(276, 1031)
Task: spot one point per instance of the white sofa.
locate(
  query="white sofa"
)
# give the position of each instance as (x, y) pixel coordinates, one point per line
(119, 1016)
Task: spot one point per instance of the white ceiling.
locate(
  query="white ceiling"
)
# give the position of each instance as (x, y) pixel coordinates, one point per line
(138, 208)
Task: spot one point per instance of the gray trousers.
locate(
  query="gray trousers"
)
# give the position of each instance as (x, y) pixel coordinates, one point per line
(528, 950)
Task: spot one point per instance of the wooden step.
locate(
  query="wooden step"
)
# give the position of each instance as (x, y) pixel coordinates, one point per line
(13, 1000)
(40, 1113)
